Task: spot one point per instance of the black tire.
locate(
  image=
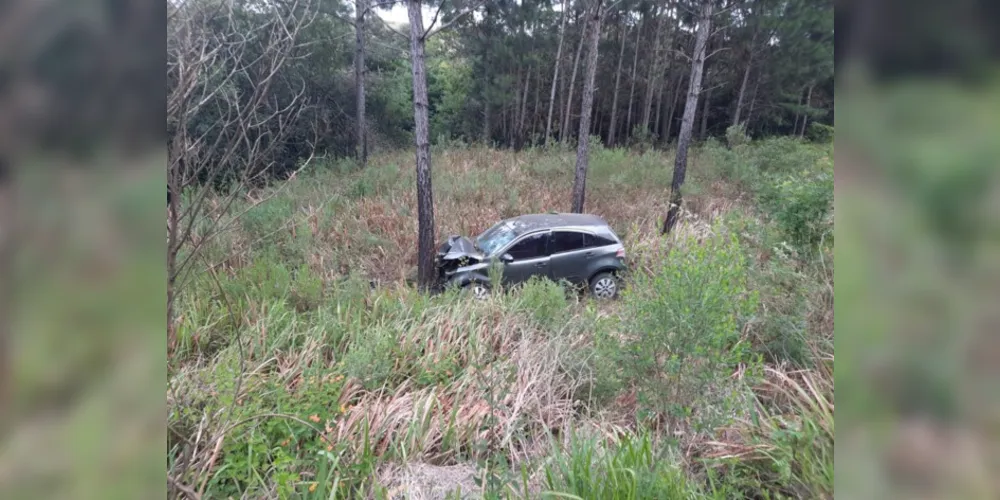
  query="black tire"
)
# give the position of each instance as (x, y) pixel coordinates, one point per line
(604, 286)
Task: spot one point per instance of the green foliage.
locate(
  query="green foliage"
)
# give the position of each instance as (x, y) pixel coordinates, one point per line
(736, 135)
(629, 471)
(820, 132)
(684, 337)
(802, 206)
(545, 301)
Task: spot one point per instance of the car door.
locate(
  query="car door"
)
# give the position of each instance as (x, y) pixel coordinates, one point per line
(530, 257)
(567, 261)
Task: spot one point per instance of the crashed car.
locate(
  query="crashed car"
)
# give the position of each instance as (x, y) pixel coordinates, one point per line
(578, 248)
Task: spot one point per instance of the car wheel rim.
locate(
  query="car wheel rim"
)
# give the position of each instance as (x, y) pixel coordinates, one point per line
(480, 292)
(604, 288)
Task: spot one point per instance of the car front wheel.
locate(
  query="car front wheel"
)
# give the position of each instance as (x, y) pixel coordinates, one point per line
(604, 286)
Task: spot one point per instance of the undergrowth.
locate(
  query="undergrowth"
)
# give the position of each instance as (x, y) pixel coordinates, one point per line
(306, 365)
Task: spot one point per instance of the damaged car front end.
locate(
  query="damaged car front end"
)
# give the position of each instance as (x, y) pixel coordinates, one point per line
(457, 261)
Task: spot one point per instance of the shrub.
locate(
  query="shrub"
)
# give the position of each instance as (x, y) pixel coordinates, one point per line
(629, 470)
(684, 339)
(736, 135)
(818, 132)
(801, 205)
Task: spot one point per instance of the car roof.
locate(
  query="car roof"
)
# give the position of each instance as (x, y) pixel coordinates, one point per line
(533, 222)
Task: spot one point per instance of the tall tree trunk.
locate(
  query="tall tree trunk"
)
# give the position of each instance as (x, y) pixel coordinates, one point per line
(651, 77)
(704, 114)
(631, 92)
(798, 114)
(425, 194)
(555, 76)
(586, 106)
(753, 101)
(743, 89)
(538, 100)
(524, 110)
(687, 123)
(563, 132)
(360, 6)
(618, 78)
(805, 113)
(664, 80)
(673, 107)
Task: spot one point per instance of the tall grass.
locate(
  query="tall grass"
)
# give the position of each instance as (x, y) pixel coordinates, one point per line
(307, 365)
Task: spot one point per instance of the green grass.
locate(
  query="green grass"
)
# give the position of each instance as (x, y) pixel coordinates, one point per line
(293, 377)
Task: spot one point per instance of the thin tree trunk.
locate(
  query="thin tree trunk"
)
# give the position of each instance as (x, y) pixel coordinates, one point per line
(664, 82)
(704, 114)
(524, 110)
(618, 78)
(673, 107)
(555, 76)
(651, 77)
(743, 89)
(563, 135)
(359, 80)
(753, 101)
(586, 107)
(798, 114)
(805, 113)
(538, 101)
(425, 194)
(631, 93)
(687, 123)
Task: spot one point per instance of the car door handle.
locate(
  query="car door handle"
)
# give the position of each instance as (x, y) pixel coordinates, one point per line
(540, 264)
(589, 254)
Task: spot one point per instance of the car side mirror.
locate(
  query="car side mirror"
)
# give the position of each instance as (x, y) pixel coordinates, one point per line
(507, 257)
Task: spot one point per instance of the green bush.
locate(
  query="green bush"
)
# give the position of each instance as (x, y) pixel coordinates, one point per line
(630, 470)
(818, 132)
(802, 206)
(684, 333)
(736, 135)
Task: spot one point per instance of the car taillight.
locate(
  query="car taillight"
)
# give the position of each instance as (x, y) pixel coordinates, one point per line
(621, 253)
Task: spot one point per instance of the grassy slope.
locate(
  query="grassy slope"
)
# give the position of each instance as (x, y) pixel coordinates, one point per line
(294, 377)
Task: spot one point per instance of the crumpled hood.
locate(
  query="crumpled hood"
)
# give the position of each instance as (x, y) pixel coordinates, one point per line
(458, 247)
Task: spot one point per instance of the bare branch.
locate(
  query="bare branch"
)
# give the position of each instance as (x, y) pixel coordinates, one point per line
(444, 26)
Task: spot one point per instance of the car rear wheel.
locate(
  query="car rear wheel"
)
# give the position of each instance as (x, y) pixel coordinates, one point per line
(604, 286)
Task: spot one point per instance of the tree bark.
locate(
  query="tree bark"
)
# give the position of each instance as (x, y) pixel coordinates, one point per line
(563, 132)
(673, 107)
(704, 114)
(586, 107)
(425, 194)
(555, 76)
(618, 78)
(687, 123)
(631, 92)
(359, 80)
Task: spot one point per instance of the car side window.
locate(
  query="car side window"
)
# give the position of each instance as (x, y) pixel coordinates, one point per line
(566, 241)
(530, 247)
(594, 240)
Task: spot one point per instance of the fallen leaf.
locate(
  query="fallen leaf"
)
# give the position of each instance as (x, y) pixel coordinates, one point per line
(314, 418)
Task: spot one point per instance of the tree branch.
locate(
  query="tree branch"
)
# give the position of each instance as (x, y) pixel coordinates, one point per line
(448, 24)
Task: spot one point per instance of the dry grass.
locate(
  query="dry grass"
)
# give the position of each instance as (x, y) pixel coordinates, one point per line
(508, 381)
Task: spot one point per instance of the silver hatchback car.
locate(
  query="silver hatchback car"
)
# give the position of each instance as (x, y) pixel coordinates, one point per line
(579, 248)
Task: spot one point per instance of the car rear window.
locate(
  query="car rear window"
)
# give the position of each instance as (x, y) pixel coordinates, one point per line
(566, 241)
(596, 240)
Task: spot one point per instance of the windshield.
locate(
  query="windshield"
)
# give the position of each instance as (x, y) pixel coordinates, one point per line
(495, 237)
